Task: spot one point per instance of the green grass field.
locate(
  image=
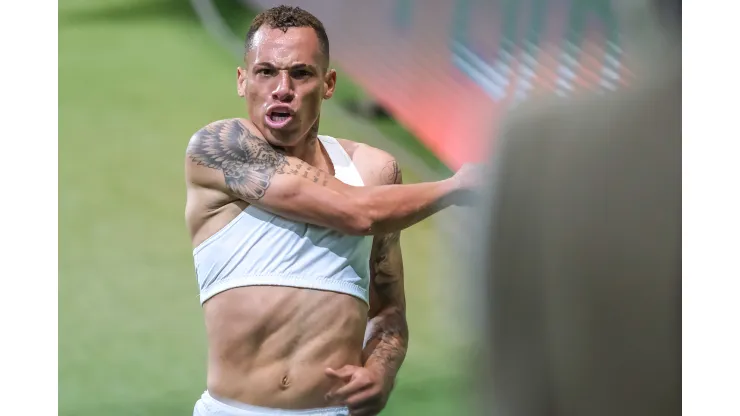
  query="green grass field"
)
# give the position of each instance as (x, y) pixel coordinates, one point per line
(136, 79)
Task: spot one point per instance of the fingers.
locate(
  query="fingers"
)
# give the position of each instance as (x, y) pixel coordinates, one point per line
(367, 403)
(361, 395)
(344, 373)
(343, 393)
(364, 401)
(368, 398)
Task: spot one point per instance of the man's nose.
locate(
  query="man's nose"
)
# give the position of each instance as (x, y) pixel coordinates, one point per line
(283, 91)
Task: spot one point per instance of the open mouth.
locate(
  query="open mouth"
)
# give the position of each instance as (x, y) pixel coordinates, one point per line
(278, 117)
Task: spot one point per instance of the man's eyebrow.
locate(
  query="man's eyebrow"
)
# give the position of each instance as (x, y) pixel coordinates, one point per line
(267, 64)
(295, 66)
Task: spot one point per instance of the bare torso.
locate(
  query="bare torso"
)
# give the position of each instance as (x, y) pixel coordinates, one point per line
(267, 345)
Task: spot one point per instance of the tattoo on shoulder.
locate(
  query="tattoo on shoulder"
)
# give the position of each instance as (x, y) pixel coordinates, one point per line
(391, 173)
(247, 161)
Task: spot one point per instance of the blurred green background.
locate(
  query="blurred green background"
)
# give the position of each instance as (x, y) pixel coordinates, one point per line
(136, 79)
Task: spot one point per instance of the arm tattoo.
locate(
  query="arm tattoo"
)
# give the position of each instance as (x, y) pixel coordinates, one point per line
(248, 162)
(391, 174)
(389, 337)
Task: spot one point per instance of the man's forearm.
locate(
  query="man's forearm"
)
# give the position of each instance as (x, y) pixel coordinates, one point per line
(393, 208)
(386, 347)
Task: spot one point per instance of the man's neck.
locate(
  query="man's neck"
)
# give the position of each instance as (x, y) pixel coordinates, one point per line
(306, 150)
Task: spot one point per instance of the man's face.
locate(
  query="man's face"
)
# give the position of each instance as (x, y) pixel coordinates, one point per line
(284, 83)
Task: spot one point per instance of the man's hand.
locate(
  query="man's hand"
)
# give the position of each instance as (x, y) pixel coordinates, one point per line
(365, 391)
(468, 181)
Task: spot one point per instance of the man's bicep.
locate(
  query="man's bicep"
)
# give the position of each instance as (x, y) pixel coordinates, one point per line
(250, 166)
(246, 162)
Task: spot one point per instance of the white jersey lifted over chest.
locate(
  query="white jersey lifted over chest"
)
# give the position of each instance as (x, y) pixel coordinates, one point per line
(258, 248)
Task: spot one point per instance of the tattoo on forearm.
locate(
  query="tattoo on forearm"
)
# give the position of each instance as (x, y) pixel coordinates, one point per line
(389, 340)
(390, 334)
(248, 162)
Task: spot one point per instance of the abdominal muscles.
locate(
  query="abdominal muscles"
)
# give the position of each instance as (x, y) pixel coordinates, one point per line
(269, 346)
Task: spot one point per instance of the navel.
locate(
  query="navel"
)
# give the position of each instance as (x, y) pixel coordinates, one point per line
(285, 383)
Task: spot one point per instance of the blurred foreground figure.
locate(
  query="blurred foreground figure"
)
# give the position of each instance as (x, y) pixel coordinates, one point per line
(583, 265)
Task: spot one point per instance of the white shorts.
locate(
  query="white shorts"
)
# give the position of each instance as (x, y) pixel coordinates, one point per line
(209, 406)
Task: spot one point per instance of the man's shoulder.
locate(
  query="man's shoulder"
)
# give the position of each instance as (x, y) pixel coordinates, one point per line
(364, 153)
(217, 146)
(372, 162)
(223, 127)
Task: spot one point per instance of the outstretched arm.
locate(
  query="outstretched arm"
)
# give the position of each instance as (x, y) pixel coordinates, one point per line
(229, 157)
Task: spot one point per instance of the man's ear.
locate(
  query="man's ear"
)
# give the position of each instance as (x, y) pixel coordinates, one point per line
(330, 83)
(241, 81)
